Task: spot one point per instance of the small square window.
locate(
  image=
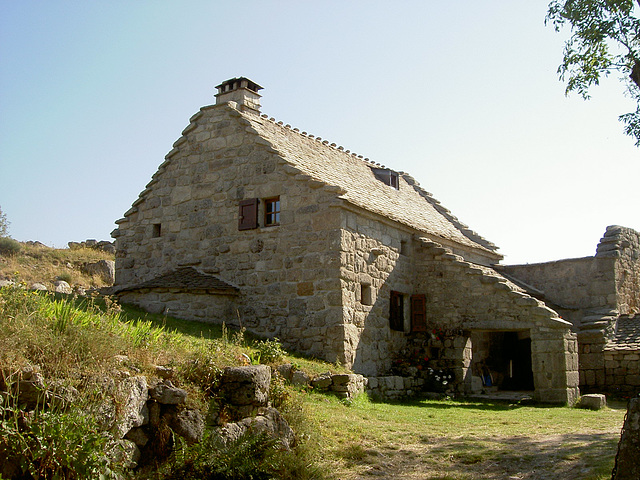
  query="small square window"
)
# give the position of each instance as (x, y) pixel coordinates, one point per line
(271, 211)
(157, 230)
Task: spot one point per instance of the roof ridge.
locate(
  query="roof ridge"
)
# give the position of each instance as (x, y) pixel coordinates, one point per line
(366, 160)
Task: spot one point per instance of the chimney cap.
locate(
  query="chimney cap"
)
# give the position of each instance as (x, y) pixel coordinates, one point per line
(236, 83)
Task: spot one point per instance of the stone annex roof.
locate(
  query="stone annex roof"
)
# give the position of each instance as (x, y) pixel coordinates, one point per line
(353, 175)
(627, 334)
(185, 278)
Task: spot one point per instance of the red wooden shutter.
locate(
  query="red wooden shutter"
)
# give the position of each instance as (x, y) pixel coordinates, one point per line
(418, 313)
(248, 214)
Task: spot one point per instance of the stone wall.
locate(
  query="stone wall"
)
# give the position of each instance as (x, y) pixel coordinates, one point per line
(623, 244)
(577, 283)
(608, 280)
(189, 306)
(377, 257)
(393, 387)
(622, 368)
(375, 260)
(188, 216)
(592, 292)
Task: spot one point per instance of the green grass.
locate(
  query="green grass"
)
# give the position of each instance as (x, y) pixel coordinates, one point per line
(76, 341)
(467, 440)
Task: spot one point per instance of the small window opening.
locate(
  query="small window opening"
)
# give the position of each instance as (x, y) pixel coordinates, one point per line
(157, 230)
(388, 177)
(404, 247)
(396, 312)
(366, 294)
(272, 211)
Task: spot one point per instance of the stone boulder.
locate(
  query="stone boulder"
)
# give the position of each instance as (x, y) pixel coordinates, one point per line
(166, 394)
(105, 269)
(62, 287)
(245, 389)
(268, 421)
(593, 401)
(189, 424)
(132, 394)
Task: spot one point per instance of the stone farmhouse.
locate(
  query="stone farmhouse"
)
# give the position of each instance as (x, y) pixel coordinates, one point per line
(254, 223)
(600, 296)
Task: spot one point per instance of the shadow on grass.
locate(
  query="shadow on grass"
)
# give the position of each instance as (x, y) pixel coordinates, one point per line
(568, 456)
(485, 405)
(573, 456)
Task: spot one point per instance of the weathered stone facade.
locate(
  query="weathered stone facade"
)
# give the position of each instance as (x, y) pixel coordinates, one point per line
(338, 257)
(600, 296)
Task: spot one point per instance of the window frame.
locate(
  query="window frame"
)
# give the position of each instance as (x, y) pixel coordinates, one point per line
(272, 201)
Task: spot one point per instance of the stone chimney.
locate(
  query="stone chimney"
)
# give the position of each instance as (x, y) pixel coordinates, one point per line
(242, 91)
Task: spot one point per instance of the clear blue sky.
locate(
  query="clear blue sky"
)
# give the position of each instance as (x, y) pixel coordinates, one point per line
(462, 95)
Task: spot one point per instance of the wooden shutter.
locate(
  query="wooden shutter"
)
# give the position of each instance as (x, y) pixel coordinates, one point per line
(396, 312)
(418, 313)
(248, 214)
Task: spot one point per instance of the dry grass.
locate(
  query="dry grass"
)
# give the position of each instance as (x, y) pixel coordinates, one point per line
(46, 265)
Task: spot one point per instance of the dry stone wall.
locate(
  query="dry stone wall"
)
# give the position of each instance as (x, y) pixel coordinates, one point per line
(622, 372)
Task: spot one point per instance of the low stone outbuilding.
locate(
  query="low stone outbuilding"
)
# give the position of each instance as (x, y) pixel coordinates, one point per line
(339, 257)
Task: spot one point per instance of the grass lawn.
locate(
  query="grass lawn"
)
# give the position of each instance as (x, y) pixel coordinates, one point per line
(457, 440)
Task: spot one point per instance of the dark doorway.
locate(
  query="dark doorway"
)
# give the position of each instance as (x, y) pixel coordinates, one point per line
(503, 359)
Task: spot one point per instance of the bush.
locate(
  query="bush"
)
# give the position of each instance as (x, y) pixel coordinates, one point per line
(50, 444)
(9, 247)
(269, 350)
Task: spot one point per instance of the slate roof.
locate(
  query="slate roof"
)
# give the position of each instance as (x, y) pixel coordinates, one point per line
(332, 165)
(627, 335)
(185, 278)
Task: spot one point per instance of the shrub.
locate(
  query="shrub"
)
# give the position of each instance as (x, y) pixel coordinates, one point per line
(9, 247)
(65, 277)
(269, 350)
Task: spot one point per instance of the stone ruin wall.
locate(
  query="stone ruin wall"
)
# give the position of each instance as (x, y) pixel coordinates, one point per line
(288, 274)
(591, 292)
(199, 306)
(462, 297)
(574, 285)
(608, 280)
(624, 245)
